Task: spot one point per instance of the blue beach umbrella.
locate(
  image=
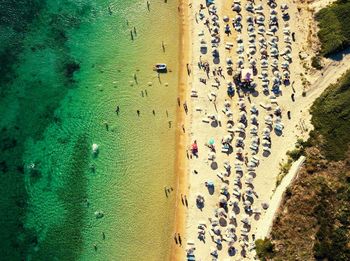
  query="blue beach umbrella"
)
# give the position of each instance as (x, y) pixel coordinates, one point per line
(211, 141)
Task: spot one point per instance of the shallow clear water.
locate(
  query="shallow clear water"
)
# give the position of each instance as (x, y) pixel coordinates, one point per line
(71, 66)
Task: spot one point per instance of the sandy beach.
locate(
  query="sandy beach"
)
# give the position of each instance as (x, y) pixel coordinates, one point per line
(232, 144)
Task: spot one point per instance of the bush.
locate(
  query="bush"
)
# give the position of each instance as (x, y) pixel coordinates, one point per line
(294, 154)
(264, 249)
(331, 119)
(316, 62)
(334, 32)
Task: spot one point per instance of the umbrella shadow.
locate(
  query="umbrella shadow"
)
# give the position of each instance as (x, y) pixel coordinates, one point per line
(211, 190)
(255, 93)
(200, 205)
(214, 124)
(266, 153)
(216, 60)
(278, 133)
(256, 216)
(204, 50)
(214, 165)
(222, 222)
(230, 150)
(243, 253)
(231, 251)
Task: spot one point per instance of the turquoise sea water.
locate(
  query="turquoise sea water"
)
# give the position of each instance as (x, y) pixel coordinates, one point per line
(65, 67)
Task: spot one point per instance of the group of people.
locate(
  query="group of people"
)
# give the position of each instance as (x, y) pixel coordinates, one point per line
(237, 205)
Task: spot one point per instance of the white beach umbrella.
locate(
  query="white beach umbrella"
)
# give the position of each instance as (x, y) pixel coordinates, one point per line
(224, 187)
(217, 230)
(211, 155)
(227, 138)
(247, 203)
(241, 125)
(214, 220)
(222, 199)
(221, 212)
(266, 143)
(242, 114)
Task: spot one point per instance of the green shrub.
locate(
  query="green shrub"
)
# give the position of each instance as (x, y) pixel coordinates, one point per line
(264, 248)
(316, 62)
(331, 119)
(334, 32)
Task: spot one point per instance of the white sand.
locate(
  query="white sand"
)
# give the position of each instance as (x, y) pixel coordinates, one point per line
(268, 169)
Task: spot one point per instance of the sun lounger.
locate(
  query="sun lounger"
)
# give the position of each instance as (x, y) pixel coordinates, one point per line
(206, 120)
(224, 150)
(191, 258)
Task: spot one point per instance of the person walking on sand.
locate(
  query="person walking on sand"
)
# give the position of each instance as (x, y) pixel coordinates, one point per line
(182, 200)
(175, 238)
(179, 239)
(186, 202)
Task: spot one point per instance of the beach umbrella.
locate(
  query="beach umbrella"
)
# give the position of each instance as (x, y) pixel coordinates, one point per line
(213, 251)
(224, 187)
(214, 220)
(222, 199)
(266, 143)
(227, 138)
(267, 131)
(217, 230)
(254, 118)
(211, 155)
(284, 6)
(211, 141)
(247, 203)
(221, 211)
(231, 227)
(242, 114)
(209, 183)
(239, 150)
(232, 215)
(229, 126)
(245, 219)
(240, 125)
